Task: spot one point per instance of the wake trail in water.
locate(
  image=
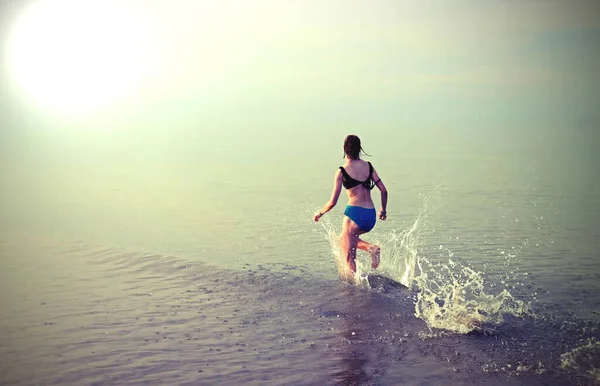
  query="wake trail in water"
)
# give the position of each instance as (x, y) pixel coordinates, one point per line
(449, 295)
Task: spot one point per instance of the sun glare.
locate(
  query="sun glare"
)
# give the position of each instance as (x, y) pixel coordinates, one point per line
(76, 57)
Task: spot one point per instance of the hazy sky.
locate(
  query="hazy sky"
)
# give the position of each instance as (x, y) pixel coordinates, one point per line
(315, 66)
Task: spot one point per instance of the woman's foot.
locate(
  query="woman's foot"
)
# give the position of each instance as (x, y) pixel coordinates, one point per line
(374, 251)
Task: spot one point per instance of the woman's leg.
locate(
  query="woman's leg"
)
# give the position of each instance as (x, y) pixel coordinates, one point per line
(373, 250)
(368, 220)
(349, 240)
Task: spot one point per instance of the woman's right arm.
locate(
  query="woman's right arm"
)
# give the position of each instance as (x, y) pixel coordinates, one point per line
(384, 195)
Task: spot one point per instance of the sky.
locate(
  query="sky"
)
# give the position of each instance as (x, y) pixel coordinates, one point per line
(430, 70)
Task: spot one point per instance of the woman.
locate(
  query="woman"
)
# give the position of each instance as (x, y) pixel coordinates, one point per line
(358, 177)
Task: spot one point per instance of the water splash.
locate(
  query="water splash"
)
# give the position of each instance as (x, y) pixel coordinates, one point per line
(585, 359)
(400, 248)
(449, 295)
(452, 297)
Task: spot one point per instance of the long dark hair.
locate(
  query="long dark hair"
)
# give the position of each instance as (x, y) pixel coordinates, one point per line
(352, 147)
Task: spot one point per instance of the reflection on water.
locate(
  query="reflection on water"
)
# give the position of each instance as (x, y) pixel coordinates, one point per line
(115, 316)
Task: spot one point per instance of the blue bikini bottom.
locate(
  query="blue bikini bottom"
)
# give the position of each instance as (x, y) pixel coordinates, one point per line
(363, 217)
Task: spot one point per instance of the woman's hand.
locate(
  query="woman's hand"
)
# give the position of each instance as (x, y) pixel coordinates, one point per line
(318, 216)
(382, 214)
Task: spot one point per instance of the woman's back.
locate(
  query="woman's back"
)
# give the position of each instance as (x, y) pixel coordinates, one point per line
(359, 171)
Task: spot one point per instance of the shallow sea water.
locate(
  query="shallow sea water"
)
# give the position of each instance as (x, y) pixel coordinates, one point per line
(137, 273)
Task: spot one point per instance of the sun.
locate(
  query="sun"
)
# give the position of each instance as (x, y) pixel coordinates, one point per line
(76, 57)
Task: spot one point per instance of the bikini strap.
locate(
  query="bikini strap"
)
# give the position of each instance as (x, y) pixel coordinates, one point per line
(344, 172)
(370, 180)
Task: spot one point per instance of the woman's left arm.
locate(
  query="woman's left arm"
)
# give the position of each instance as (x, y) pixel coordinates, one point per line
(335, 195)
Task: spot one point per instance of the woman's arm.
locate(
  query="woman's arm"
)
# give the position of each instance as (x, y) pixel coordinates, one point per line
(335, 195)
(384, 195)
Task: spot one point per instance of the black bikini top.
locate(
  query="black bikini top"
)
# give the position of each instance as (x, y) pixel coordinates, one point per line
(350, 182)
